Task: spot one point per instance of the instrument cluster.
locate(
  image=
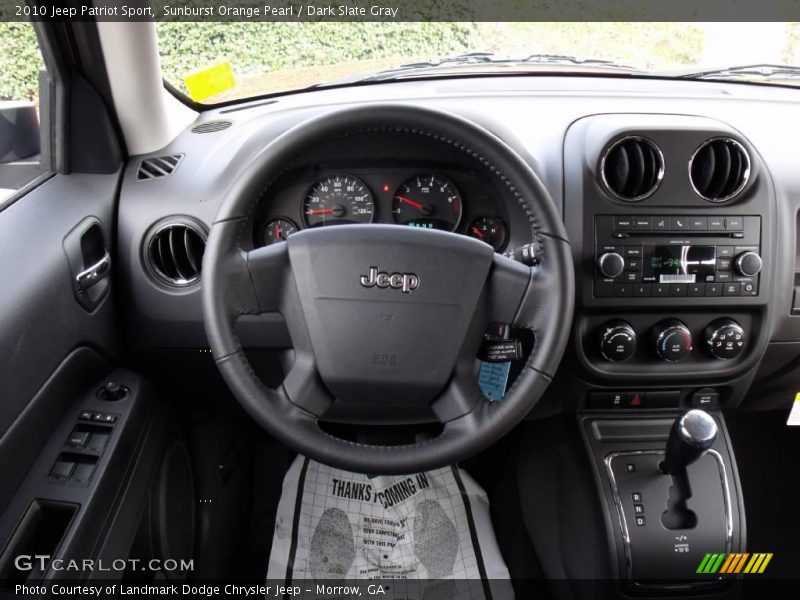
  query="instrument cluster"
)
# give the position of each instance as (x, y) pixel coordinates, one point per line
(426, 199)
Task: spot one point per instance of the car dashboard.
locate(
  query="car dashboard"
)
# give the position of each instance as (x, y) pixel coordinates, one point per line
(680, 201)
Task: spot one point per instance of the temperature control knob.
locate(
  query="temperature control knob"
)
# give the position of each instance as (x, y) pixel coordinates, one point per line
(725, 338)
(617, 341)
(672, 339)
(611, 264)
(748, 264)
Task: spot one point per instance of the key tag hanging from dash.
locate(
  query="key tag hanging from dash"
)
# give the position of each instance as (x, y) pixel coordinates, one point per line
(794, 414)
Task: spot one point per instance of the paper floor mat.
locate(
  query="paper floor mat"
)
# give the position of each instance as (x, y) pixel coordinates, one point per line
(434, 525)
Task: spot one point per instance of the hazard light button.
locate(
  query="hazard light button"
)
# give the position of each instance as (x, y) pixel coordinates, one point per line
(633, 399)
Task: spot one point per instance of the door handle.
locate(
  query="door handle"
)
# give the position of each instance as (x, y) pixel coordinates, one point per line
(94, 273)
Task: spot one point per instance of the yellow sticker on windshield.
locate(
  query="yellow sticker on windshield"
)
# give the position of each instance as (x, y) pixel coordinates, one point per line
(210, 81)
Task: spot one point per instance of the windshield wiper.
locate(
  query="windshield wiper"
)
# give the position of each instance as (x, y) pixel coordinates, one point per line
(473, 59)
(762, 71)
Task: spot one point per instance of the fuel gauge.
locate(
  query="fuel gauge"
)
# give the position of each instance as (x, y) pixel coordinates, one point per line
(277, 230)
(490, 230)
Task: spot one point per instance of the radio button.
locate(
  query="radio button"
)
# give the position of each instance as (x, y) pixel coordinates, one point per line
(713, 289)
(622, 223)
(660, 290)
(731, 289)
(723, 277)
(698, 223)
(611, 265)
(716, 223)
(748, 264)
(633, 252)
(733, 223)
(724, 251)
(677, 289)
(633, 264)
(630, 276)
(696, 289)
(679, 223)
(642, 223)
(660, 223)
(723, 264)
(623, 290)
(641, 290)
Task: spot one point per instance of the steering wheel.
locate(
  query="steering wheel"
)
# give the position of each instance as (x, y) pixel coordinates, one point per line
(387, 316)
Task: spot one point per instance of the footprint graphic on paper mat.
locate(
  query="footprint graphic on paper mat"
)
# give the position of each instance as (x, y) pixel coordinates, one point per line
(333, 549)
(435, 539)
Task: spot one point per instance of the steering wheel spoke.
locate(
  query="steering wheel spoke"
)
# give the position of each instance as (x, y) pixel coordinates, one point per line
(304, 388)
(509, 283)
(270, 275)
(461, 396)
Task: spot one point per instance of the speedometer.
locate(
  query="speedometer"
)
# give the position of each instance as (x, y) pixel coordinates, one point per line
(427, 201)
(338, 199)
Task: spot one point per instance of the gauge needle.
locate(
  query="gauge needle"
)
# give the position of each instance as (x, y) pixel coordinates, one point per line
(319, 211)
(423, 208)
(477, 232)
(278, 232)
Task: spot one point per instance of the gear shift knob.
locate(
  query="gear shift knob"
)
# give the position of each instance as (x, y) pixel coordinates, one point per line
(693, 433)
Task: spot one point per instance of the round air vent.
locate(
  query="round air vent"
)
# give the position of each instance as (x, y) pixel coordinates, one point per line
(632, 168)
(174, 252)
(719, 169)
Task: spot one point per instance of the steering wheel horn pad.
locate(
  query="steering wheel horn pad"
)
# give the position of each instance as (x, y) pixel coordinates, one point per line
(385, 316)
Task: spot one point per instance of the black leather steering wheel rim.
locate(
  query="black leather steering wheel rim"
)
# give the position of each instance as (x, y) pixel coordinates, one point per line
(237, 282)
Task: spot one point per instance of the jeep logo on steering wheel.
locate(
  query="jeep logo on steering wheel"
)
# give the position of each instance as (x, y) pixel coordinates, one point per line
(407, 282)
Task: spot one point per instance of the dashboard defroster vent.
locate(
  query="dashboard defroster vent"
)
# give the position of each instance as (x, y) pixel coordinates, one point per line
(174, 252)
(211, 126)
(158, 166)
(719, 169)
(632, 168)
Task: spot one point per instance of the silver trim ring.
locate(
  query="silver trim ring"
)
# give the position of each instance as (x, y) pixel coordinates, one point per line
(172, 223)
(659, 176)
(745, 176)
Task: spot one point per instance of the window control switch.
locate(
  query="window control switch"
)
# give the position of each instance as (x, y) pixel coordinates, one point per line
(78, 439)
(62, 470)
(82, 472)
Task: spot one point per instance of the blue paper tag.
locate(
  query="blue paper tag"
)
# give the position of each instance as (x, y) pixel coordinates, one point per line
(493, 378)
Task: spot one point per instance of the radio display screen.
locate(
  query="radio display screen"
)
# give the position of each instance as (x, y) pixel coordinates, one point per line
(679, 264)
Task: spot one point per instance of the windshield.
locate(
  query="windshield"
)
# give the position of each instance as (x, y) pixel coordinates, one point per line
(220, 62)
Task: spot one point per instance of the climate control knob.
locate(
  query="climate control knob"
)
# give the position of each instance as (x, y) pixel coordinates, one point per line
(748, 264)
(617, 341)
(672, 339)
(611, 264)
(725, 339)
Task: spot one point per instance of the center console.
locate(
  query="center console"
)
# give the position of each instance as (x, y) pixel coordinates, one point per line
(668, 217)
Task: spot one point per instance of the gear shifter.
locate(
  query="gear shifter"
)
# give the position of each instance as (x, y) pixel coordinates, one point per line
(691, 435)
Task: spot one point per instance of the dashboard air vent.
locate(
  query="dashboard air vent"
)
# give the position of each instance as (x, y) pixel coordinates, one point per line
(719, 169)
(632, 168)
(158, 166)
(211, 126)
(175, 253)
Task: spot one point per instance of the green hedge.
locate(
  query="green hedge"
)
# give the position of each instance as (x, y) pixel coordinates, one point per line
(258, 48)
(20, 62)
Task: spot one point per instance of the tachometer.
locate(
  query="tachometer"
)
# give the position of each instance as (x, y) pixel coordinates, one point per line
(429, 201)
(338, 199)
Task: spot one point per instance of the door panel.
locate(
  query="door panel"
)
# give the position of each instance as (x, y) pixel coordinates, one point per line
(42, 319)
